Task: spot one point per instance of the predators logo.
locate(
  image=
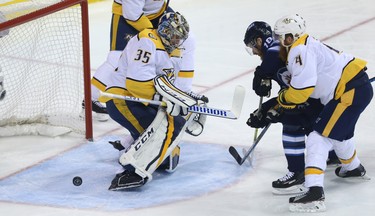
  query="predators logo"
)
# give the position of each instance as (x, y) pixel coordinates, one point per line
(169, 72)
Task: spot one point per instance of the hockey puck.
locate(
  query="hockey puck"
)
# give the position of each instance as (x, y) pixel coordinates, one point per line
(77, 181)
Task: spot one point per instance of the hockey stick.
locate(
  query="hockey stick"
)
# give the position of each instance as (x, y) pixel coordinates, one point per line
(233, 113)
(240, 160)
(259, 110)
(256, 129)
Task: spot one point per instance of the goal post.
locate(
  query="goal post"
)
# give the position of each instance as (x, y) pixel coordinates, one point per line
(45, 67)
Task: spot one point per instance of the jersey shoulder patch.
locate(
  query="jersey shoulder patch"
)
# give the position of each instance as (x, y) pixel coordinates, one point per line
(153, 36)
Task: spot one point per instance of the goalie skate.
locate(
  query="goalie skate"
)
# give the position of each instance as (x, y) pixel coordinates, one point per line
(99, 112)
(127, 180)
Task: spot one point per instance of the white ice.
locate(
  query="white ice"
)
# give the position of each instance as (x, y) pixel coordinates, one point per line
(221, 64)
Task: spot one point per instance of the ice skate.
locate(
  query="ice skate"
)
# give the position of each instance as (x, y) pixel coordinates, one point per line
(333, 160)
(359, 172)
(99, 112)
(291, 183)
(126, 180)
(117, 145)
(311, 201)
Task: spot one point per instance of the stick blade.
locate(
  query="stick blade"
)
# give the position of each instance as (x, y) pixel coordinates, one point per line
(238, 99)
(235, 155)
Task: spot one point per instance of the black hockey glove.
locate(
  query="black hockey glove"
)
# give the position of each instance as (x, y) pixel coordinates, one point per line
(275, 114)
(261, 86)
(257, 120)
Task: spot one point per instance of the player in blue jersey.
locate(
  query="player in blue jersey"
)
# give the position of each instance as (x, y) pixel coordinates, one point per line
(296, 123)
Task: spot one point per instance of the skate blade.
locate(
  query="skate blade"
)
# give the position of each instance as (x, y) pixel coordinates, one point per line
(315, 206)
(355, 178)
(294, 190)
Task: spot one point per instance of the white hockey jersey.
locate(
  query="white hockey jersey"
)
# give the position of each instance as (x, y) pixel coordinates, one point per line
(138, 13)
(142, 60)
(318, 71)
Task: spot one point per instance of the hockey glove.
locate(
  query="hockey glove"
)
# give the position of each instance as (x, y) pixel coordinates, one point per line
(275, 114)
(257, 120)
(261, 86)
(175, 109)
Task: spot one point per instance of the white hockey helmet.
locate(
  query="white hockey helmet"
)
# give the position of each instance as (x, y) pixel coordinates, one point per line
(291, 24)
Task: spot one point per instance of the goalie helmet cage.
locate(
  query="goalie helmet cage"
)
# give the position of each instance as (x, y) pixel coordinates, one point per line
(45, 64)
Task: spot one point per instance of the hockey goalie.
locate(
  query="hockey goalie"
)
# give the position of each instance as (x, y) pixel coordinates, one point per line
(149, 67)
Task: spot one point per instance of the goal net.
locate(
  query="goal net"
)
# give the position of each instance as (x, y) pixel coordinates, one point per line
(44, 67)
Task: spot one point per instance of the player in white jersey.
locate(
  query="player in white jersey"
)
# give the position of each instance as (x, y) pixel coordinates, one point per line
(148, 69)
(2, 34)
(129, 17)
(340, 82)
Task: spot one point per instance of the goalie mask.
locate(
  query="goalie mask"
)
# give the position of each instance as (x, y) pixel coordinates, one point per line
(289, 25)
(173, 30)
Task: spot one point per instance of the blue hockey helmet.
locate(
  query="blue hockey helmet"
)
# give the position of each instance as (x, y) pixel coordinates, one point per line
(257, 29)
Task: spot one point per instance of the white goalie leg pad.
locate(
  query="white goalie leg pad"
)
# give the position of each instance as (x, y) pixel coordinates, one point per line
(147, 153)
(166, 89)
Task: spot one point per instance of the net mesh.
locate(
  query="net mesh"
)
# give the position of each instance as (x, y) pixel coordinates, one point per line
(42, 69)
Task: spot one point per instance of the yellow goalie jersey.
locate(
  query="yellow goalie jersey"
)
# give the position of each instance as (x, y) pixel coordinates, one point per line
(141, 61)
(318, 71)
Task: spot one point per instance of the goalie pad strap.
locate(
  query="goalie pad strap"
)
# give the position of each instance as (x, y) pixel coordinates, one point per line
(172, 93)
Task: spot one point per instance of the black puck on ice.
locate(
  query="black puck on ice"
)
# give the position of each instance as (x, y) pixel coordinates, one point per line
(77, 181)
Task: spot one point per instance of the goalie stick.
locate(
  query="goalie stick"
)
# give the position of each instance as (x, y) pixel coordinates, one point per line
(233, 113)
(240, 160)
